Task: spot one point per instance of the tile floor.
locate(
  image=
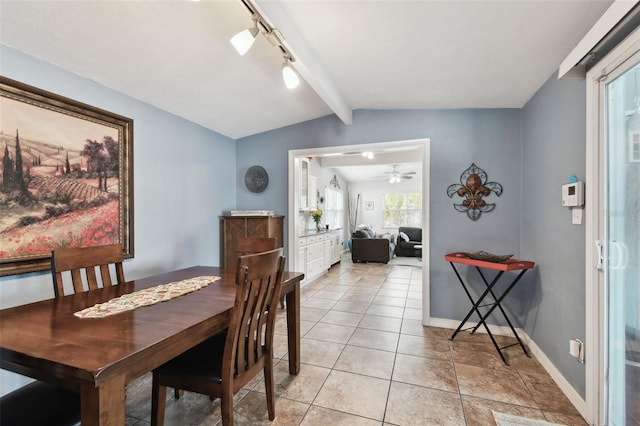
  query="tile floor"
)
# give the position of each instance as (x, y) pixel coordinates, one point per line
(367, 360)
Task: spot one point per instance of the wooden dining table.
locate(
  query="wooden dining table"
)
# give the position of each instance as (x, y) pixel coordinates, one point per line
(99, 356)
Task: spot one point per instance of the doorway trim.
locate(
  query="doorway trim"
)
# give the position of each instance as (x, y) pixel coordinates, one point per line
(595, 183)
(292, 230)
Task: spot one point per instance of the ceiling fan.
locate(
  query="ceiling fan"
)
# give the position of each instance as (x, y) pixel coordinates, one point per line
(396, 176)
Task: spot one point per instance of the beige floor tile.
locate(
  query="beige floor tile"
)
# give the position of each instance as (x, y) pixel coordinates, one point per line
(318, 416)
(252, 409)
(416, 405)
(392, 293)
(355, 394)
(413, 303)
(350, 384)
(357, 298)
(397, 285)
(415, 327)
(370, 362)
(389, 301)
(424, 346)
(547, 394)
(330, 332)
(479, 412)
(482, 355)
(381, 323)
(497, 385)
(386, 311)
(344, 306)
(566, 419)
(414, 314)
(302, 387)
(342, 318)
(374, 339)
(332, 295)
(317, 302)
(319, 353)
(427, 372)
(312, 314)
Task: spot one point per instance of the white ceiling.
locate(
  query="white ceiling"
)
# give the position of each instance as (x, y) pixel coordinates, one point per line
(352, 54)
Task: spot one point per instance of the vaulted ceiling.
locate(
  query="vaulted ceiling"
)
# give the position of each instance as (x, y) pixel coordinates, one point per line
(351, 55)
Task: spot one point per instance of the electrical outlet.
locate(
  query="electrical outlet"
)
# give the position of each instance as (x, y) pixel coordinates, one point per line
(576, 349)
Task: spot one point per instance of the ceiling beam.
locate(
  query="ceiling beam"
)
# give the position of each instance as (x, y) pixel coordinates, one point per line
(306, 63)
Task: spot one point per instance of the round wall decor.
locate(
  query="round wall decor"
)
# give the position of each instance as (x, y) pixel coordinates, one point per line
(256, 179)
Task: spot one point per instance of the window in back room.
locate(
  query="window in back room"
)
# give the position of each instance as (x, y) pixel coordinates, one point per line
(402, 210)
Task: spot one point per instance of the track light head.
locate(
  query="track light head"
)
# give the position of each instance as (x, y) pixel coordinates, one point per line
(243, 41)
(289, 75)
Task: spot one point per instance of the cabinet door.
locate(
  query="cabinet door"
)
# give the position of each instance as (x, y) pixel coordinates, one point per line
(304, 184)
(233, 228)
(301, 261)
(313, 192)
(328, 249)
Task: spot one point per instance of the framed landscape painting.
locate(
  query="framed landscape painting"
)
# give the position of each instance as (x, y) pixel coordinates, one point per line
(66, 178)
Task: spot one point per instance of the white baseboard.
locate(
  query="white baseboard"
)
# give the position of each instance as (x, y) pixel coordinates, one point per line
(555, 374)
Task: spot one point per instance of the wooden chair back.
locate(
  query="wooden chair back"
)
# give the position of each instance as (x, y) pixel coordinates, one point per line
(254, 245)
(223, 364)
(88, 259)
(249, 343)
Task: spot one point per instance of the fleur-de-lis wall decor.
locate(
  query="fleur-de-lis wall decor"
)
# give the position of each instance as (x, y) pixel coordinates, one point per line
(473, 188)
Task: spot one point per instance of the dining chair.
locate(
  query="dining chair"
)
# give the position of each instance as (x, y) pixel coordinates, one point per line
(254, 245)
(246, 246)
(223, 364)
(40, 403)
(88, 259)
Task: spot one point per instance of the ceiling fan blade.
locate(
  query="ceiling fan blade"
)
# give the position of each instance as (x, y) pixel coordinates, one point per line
(408, 173)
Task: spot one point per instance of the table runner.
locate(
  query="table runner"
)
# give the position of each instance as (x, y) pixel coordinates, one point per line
(146, 297)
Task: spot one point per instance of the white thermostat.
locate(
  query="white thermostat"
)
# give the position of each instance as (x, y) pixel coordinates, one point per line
(573, 194)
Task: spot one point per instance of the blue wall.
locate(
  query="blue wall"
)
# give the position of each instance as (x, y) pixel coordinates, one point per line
(554, 135)
(490, 138)
(181, 183)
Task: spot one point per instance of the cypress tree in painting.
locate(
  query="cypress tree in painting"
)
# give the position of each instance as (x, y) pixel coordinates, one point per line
(67, 165)
(7, 170)
(19, 178)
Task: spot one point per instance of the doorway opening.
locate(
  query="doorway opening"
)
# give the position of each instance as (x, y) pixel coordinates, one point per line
(421, 154)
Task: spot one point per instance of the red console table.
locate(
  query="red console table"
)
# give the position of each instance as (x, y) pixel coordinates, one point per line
(501, 267)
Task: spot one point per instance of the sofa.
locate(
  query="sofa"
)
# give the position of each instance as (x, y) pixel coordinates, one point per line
(366, 246)
(407, 248)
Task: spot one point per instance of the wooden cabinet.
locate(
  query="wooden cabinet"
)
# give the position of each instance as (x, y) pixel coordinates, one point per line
(234, 227)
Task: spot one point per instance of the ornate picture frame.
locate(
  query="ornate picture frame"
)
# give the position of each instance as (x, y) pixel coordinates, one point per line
(66, 178)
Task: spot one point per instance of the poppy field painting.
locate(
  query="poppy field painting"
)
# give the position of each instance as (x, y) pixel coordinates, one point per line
(66, 177)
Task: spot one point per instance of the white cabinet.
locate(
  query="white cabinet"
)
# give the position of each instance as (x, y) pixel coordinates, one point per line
(336, 248)
(313, 192)
(317, 253)
(327, 252)
(304, 184)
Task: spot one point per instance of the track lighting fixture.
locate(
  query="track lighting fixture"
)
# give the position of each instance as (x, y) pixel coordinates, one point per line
(289, 75)
(243, 41)
(368, 155)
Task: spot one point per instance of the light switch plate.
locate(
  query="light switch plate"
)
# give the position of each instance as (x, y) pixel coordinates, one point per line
(576, 216)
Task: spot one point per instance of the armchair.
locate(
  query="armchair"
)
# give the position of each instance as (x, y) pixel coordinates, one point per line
(407, 248)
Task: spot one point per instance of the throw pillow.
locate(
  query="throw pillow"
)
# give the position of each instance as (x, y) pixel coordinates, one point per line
(404, 236)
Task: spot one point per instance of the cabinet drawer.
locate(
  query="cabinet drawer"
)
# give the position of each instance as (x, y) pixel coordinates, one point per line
(315, 251)
(302, 241)
(315, 267)
(312, 239)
